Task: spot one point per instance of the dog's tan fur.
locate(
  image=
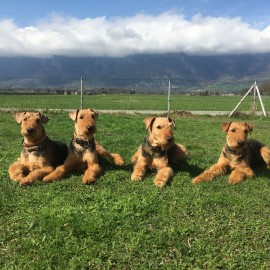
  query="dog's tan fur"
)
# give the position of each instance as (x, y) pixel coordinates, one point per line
(238, 156)
(83, 150)
(39, 154)
(158, 151)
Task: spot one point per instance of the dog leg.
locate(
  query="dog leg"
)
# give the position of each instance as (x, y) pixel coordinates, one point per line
(139, 169)
(265, 153)
(164, 172)
(239, 174)
(116, 158)
(210, 174)
(36, 175)
(59, 173)
(62, 170)
(163, 176)
(91, 173)
(17, 171)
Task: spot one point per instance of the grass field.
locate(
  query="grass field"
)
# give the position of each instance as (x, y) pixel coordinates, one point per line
(130, 102)
(118, 224)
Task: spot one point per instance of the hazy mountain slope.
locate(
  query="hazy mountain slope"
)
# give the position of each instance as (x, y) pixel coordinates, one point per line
(140, 66)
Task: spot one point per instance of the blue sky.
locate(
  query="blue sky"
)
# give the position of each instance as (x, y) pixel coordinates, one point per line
(124, 27)
(28, 12)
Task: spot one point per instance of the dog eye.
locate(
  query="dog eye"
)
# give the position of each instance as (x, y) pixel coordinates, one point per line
(81, 117)
(93, 116)
(233, 130)
(158, 127)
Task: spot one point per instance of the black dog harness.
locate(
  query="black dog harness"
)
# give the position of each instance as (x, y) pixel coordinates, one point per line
(228, 152)
(86, 144)
(251, 152)
(149, 151)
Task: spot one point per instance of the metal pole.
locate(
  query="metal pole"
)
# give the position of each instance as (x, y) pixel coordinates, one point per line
(169, 98)
(259, 95)
(82, 93)
(254, 99)
(241, 101)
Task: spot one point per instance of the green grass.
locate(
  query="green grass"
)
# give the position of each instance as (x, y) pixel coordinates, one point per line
(130, 102)
(118, 224)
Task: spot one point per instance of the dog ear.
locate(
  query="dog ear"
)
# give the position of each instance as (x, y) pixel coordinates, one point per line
(225, 126)
(149, 122)
(172, 121)
(19, 116)
(95, 113)
(44, 118)
(73, 115)
(249, 127)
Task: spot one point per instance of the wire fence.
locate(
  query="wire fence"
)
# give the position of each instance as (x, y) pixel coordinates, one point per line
(148, 95)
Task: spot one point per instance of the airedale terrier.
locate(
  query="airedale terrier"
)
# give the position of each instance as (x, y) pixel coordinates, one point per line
(238, 156)
(83, 149)
(39, 155)
(157, 151)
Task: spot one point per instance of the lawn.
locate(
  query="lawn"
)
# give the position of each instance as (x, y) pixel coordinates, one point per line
(131, 102)
(117, 224)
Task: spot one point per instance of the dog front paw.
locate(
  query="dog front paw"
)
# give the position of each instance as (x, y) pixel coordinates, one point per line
(16, 178)
(136, 177)
(25, 182)
(118, 160)
(197, 180)
(48, 179)
(88, 180)
(159, 183)
(163, 176)
(16, 175)
(238, 176)
(234, 181)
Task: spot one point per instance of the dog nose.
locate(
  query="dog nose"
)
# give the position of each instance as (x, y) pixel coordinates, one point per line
(90, 128)
(29, 130)
(169, 139)
(240, 143)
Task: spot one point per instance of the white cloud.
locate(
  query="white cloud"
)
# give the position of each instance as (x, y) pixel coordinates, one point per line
(167, 32)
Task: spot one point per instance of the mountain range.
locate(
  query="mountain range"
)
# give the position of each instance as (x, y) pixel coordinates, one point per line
(221, 67)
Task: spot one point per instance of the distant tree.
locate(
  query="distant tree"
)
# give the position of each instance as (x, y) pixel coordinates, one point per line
(243, 92)
(264, 88)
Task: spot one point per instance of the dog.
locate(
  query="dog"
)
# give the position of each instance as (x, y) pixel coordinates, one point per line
(39, 155)
(84, 150)
(238, 156)
(157, 151)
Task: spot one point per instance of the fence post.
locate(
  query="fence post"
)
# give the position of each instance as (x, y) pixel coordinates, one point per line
(82, 105)
(254, 99)
(169, 98)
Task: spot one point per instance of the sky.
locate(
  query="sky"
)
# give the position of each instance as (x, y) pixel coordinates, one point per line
(117, 28)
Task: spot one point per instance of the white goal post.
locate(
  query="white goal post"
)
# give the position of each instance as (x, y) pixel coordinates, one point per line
(255, 88)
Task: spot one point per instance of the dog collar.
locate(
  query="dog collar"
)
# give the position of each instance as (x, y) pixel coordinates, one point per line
(228, 150)
(37, 148)
(151, 151)
(87, 144)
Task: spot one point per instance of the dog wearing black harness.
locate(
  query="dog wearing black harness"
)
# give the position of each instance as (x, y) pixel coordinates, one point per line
(40, 155)
(158, 151)
(84, 150)
(239, 155)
